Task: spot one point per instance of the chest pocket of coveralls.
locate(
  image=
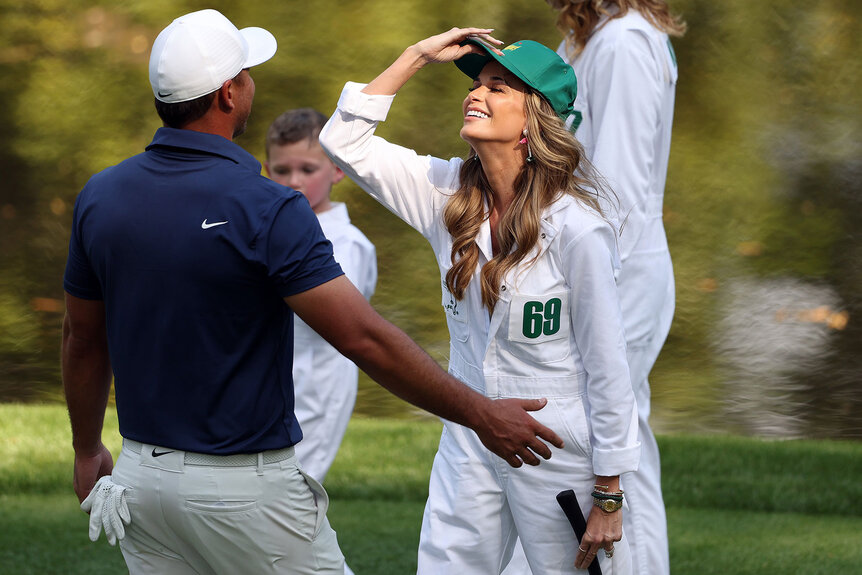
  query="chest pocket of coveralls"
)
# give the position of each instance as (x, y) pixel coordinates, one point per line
(539, 327)
(456, 316)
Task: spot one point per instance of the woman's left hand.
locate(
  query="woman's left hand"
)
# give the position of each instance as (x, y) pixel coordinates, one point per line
(603, 530)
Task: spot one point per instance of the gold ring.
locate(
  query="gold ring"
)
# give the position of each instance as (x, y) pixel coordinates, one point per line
(582, 550)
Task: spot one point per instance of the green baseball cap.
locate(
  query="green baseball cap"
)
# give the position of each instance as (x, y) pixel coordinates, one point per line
(536, 65)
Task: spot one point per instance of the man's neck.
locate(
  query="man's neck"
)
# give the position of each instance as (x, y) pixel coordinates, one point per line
(212, 124)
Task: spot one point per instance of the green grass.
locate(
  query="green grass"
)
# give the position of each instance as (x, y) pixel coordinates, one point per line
(736, 473)
(707, 542)
(735, 505)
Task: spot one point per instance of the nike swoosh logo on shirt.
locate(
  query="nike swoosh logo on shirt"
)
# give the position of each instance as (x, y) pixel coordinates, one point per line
(154, 454)
(206, 226)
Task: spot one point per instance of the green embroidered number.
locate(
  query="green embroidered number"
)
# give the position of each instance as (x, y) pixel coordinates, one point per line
(533, 319)
(552, 316)
(542, 319)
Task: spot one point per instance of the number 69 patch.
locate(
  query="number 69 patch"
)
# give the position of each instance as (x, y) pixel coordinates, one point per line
(537, 319)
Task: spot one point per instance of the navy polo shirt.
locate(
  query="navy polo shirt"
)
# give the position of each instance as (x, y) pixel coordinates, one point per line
(192, 252)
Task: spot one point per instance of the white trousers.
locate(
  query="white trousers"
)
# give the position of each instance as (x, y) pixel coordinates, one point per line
(195, 519)
(647, 295)
(478, 506)
(324, 404)
(646, 523)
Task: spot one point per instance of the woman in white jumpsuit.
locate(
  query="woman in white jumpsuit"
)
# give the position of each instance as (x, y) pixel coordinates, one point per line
(627, 73)
(530, 301)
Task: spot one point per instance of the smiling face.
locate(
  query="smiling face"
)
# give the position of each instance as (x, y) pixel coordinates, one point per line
(494, 108)
(305, 167)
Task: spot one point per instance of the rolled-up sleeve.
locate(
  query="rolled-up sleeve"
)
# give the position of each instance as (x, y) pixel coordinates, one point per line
(590, 260)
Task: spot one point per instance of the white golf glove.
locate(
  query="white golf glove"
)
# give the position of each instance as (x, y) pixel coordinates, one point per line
(106, 504)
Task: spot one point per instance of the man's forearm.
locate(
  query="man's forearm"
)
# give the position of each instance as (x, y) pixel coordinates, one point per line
(87, 384)
(401, 366)
(397, 363)
(339, 313)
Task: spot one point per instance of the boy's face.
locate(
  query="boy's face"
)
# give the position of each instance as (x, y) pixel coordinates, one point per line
(305, 167)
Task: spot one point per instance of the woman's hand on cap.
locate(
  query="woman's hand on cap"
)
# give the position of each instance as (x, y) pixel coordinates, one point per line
(447, 47)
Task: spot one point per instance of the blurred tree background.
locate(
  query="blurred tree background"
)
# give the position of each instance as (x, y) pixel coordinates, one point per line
(762, 202)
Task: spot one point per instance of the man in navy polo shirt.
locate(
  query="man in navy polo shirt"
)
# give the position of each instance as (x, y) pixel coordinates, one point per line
(185, 268)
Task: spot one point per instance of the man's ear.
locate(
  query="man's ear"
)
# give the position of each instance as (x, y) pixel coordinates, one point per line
(225, 96)
(266, 167)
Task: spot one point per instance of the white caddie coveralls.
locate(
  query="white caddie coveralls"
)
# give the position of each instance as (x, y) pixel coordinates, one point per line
(556, 332)
(324, 381)
(627, 76)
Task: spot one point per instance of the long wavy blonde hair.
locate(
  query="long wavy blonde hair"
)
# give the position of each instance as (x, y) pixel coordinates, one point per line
(559, 167)
(577, 19)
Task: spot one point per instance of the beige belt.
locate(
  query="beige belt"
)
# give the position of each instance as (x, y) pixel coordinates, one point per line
(206, 459)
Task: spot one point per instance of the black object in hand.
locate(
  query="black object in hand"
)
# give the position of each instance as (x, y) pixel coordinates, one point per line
(569, 503)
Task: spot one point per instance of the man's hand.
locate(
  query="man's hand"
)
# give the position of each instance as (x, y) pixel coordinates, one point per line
(88, 469)
(508, 430)
(108, 510)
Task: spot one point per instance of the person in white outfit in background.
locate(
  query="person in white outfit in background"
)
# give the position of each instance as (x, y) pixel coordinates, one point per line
(527, 269)
(325, 382)
(621, 53)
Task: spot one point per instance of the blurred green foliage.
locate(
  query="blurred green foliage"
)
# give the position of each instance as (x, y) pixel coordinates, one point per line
(763, 182)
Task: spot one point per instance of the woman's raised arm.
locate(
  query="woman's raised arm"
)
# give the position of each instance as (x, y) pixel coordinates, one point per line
(445, 47)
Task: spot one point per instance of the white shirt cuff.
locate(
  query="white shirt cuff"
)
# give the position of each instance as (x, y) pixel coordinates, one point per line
(357, 103)
(608, 462)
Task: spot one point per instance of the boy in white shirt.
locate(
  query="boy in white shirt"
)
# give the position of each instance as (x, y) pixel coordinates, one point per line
(325, 382)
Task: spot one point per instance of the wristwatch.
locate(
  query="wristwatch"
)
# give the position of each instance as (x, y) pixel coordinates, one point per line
(608, 505)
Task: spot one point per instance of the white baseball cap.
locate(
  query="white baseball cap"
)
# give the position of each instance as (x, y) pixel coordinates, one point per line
(199, 52)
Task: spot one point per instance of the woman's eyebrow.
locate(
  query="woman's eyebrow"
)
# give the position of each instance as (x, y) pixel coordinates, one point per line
(493, 79)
